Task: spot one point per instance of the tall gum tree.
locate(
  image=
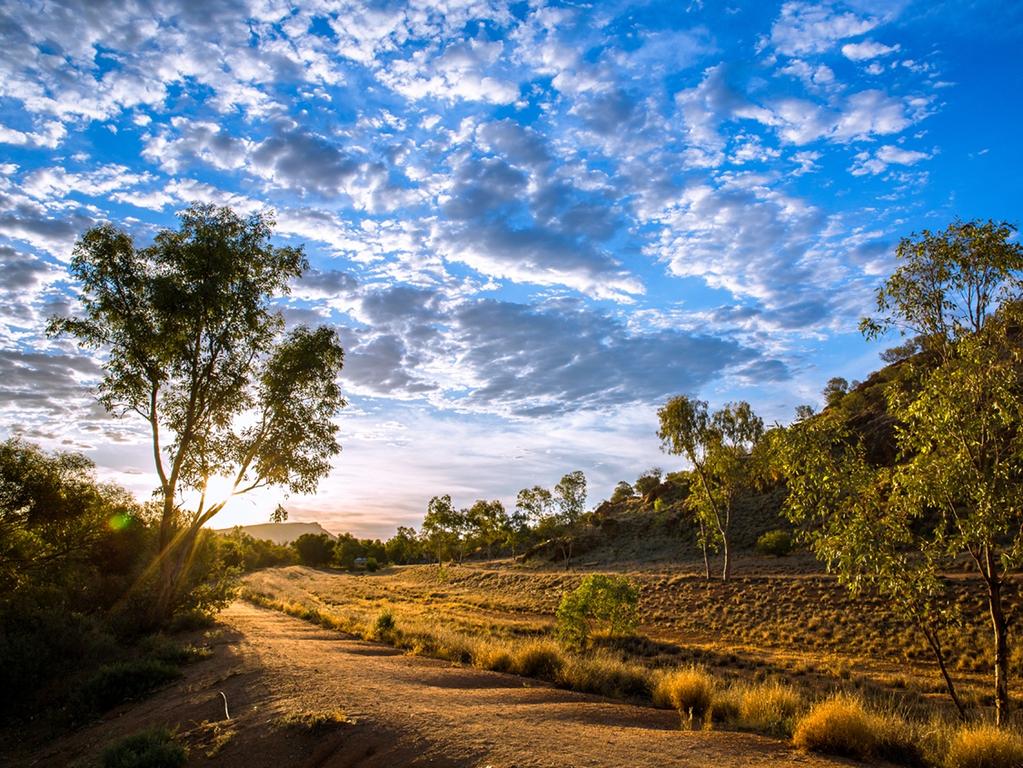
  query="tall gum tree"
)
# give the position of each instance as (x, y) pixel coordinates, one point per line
(193, 347)
(955, 488)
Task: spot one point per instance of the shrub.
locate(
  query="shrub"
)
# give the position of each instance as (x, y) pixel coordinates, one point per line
(113, 684)
(610, 599)
(538, 659)
(372, 565)
(311, 721)
(690, 690)
(604, 675)
(154, 748)
(769, 708)
(837, 726)
(985, 746)
(385, 625)
(495, 656)
(777, 543)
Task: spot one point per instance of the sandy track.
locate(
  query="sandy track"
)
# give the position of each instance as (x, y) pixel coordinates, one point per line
(437, 714)
(408, 711)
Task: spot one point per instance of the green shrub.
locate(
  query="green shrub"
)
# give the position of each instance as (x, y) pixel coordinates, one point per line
(113, 684)
(154, 748)
(985, 746)
(384, 626)
(613, 600)
(777, 543)
(372, 565)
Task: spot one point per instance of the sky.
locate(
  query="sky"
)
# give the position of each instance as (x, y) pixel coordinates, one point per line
(530, 222)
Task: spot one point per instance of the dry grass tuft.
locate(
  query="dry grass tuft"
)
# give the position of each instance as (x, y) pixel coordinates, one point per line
(538, 658)
(315, 721)
(985, 746)
(769, 708)
(842, 725)
(690, 690)
(837, 726)
(604, 675)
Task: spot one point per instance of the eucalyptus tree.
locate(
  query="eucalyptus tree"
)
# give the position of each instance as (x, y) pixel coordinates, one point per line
(193, 347)
(719, 446)
(955, 488)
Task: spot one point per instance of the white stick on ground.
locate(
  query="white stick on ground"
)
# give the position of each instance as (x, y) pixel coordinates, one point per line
(227, 715)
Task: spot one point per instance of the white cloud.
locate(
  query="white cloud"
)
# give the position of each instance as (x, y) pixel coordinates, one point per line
(806, 27)
(873, 164)
(866, 50)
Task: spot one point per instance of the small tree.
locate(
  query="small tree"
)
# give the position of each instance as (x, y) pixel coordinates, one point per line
(193, 347)
(719, 448)
(612, 600)
(443, 529)
(487, 521)
(570, 496)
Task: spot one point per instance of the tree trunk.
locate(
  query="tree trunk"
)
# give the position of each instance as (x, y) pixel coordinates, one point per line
(726, 570)
(703, 543)
(998, 624)
(939, 655)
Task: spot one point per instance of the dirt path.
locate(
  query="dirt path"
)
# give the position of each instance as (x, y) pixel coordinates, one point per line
(444, 715)
(408, 711)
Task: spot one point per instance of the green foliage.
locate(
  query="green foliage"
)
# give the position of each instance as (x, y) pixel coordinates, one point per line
(404, 547)
(384, 626)
(612, 600)
(949, 282)
(314, 549)
(622, 492)
(243, 552)
(442, 529)
(720, 446)
(777, 543)
(153, 748)
(122, 681)
(192, 343)
(957, 420)
(648, 481)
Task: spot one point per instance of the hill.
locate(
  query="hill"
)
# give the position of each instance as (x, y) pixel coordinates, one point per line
(280, 533)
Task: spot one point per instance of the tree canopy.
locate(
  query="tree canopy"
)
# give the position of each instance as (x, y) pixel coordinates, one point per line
(194, 347)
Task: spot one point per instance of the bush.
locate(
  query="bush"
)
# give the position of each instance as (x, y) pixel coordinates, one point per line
(610, 599)
(777, 543)
(985, 746)
(383, 628)
(154, 748)
(690, 690)
(372, 565)
(538, 659)
(113, 684)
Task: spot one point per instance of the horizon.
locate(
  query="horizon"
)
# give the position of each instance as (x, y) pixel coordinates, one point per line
(531, 225)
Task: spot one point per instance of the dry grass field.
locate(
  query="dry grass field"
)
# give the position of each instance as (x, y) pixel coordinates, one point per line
(776, 621)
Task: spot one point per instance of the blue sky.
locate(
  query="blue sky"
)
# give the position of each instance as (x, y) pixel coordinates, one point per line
(531, 222)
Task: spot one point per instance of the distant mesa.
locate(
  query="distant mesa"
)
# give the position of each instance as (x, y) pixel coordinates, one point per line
(279, 533)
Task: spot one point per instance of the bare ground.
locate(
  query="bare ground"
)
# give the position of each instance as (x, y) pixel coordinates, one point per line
(407, 711)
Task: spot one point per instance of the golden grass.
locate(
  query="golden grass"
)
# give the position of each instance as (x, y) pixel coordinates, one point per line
(985, 746)
(501, 619)
(309, 720)
(690, 690)
(769, 708)
(840, 725)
